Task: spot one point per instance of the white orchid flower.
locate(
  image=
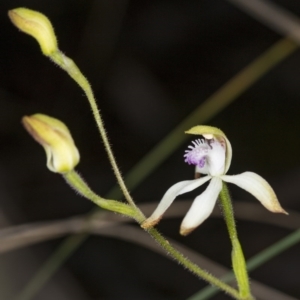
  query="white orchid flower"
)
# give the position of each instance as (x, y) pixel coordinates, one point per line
(212, 156)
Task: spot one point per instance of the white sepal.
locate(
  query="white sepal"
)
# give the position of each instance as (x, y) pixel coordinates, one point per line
(168, 198)
(258, 187)
(202, 207)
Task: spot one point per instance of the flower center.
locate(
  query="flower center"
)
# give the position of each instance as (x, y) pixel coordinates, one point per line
(207, 155)
(196, 154)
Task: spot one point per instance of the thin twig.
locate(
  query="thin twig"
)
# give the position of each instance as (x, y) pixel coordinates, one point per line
(136, 236)
(273, 16)
(16, 237)
(107, 227)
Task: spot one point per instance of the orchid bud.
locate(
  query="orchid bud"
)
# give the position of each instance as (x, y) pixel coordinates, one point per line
(55, 137)
(36, 25)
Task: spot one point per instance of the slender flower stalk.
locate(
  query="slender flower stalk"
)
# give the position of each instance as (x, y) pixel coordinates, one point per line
(179, 257)
(237, 256)
(63, 156)
(80, 186)
(74, 72)
(74, 180)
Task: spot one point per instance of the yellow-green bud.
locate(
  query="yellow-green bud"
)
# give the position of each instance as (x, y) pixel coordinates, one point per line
(55, 137)
(36, 25)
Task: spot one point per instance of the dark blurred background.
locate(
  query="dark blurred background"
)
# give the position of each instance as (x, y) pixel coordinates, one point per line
(150, 63)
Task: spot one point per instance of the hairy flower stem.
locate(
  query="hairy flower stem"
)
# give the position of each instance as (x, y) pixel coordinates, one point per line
(238, 260)
(71, 68)
(74, 179)
(77, 183)
(202, 274)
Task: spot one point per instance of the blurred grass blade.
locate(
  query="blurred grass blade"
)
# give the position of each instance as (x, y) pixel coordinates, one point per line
(228, 93)
(204, 112)
(253, 263)
(67, 247)
(273, 16)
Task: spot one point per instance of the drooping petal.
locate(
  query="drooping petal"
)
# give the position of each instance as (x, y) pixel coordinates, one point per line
(202, 207)
(258, 187)
(168, 198)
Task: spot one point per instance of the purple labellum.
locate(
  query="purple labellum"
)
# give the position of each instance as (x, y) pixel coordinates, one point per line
(202, 161)
(196, 155)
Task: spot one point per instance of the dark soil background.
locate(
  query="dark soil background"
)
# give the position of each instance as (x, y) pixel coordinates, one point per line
(150, 63)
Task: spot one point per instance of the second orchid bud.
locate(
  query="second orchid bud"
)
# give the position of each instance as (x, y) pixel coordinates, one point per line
(55, 137)
(36, 25)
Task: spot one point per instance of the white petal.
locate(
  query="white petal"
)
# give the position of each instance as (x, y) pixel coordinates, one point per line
(202, 207)
(175, 190)
(258, 187)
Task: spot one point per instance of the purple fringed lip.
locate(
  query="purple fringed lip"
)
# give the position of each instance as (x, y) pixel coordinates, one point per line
(196, 155)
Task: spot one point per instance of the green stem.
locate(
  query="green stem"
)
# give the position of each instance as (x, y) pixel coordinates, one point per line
(76, 182)
(71, 68)
(238, 260)
(202, 274)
